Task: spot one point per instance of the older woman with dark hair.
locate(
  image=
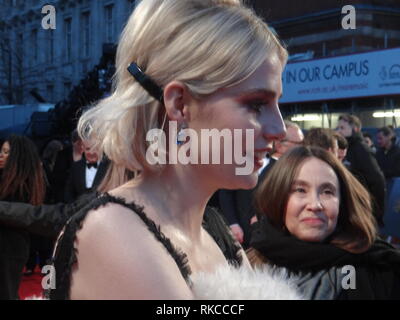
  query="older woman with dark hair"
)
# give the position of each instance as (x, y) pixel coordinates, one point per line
(22, 180)
(319, 226)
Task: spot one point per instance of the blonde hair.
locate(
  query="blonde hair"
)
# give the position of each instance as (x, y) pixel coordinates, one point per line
(205, 44)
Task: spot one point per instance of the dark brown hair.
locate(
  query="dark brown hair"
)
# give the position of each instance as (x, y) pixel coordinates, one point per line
(356, 227)
(22, 178)
(341, 141)
(353, 120)
(320, 137)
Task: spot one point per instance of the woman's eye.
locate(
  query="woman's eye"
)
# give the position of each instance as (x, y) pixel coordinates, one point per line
(300, 190)
(256, 106)
(329, 192)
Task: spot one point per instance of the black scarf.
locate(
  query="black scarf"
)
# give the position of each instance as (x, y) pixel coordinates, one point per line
(285, 250)
(377, 269)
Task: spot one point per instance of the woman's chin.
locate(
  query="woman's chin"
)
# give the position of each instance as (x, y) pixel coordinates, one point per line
(247, 182)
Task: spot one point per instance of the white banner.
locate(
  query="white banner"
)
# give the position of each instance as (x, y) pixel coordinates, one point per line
(357, 75)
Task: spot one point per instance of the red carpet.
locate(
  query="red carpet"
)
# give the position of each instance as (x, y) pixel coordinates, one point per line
(31, 285)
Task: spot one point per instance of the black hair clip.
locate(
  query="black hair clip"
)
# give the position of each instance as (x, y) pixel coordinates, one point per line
(146, 82)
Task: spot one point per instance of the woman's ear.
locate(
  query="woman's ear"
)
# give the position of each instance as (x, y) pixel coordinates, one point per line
(175, 101)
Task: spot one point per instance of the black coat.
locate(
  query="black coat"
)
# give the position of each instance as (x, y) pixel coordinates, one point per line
(377, 271)
(16, 220)
(14, 253)
(389, 161)
(237, 205)
(76, 184)
(365, 168)
(45, 220)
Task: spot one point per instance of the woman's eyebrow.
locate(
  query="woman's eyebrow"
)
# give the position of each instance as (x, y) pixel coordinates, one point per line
(300, 183)
(265, 93)
(328, 185)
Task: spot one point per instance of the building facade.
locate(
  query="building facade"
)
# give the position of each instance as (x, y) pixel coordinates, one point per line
(313, 29)
(45, 64)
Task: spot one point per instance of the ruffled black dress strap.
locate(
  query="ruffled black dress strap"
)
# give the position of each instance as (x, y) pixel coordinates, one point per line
(64, 256)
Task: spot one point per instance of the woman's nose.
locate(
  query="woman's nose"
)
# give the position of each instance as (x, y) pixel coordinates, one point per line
(315, 203)
(274, 127)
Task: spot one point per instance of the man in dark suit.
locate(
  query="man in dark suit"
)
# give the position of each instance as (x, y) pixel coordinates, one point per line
(86, 174)
(237, 206)
(362, 163)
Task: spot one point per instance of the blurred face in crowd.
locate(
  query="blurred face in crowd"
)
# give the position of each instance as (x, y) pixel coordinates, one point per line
(91, 154)
(335, 148)
(368, 141)
(294, 137)
(78, 146)
(313, 206)
(4, 153)
(383, 141)
(344, 128)
(342, 154)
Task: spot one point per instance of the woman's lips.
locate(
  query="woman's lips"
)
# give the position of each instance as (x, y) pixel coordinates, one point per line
(312, 221)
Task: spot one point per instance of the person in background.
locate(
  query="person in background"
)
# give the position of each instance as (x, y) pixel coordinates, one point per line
(41, 247)
(318, 226)
(342, 146)
(322, 138)
(237, 205)
(370, 143)
(388, 154)
(293, 138)
(87, 173)
(22, 180)
(362, 163)
(396, 140)
(72, 152)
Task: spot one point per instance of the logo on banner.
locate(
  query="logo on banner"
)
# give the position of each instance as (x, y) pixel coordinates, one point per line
(392, 74)
(383, 74)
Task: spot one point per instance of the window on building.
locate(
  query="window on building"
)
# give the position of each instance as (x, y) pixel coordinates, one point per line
(20, 47)
(131, 4)
(34, 45)
(50, 93)
(67, 88)
(50, 46)
(68, 39)
(109, 20)
(85, 22)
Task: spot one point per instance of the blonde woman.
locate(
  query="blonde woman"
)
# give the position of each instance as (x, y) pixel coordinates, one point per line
(194, 64)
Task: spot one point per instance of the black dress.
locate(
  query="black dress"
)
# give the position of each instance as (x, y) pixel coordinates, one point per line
(64, 256)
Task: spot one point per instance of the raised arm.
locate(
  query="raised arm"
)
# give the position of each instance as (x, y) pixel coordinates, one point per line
(44, 220)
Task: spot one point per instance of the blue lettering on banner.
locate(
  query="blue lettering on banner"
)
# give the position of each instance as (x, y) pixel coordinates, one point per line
(357, 75)
(329, 72)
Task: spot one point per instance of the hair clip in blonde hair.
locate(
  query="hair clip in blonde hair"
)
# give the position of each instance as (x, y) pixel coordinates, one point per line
(146, 82)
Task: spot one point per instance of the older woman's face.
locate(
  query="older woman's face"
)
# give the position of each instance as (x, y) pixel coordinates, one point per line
(313, 205)
(4, 153)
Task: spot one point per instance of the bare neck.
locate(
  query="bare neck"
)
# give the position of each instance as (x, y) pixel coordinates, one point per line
(178, 197)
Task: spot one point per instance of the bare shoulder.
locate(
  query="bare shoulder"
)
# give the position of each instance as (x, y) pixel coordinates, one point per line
(119, 258)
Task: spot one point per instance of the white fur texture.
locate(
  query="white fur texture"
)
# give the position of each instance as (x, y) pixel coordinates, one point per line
(229, 283)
